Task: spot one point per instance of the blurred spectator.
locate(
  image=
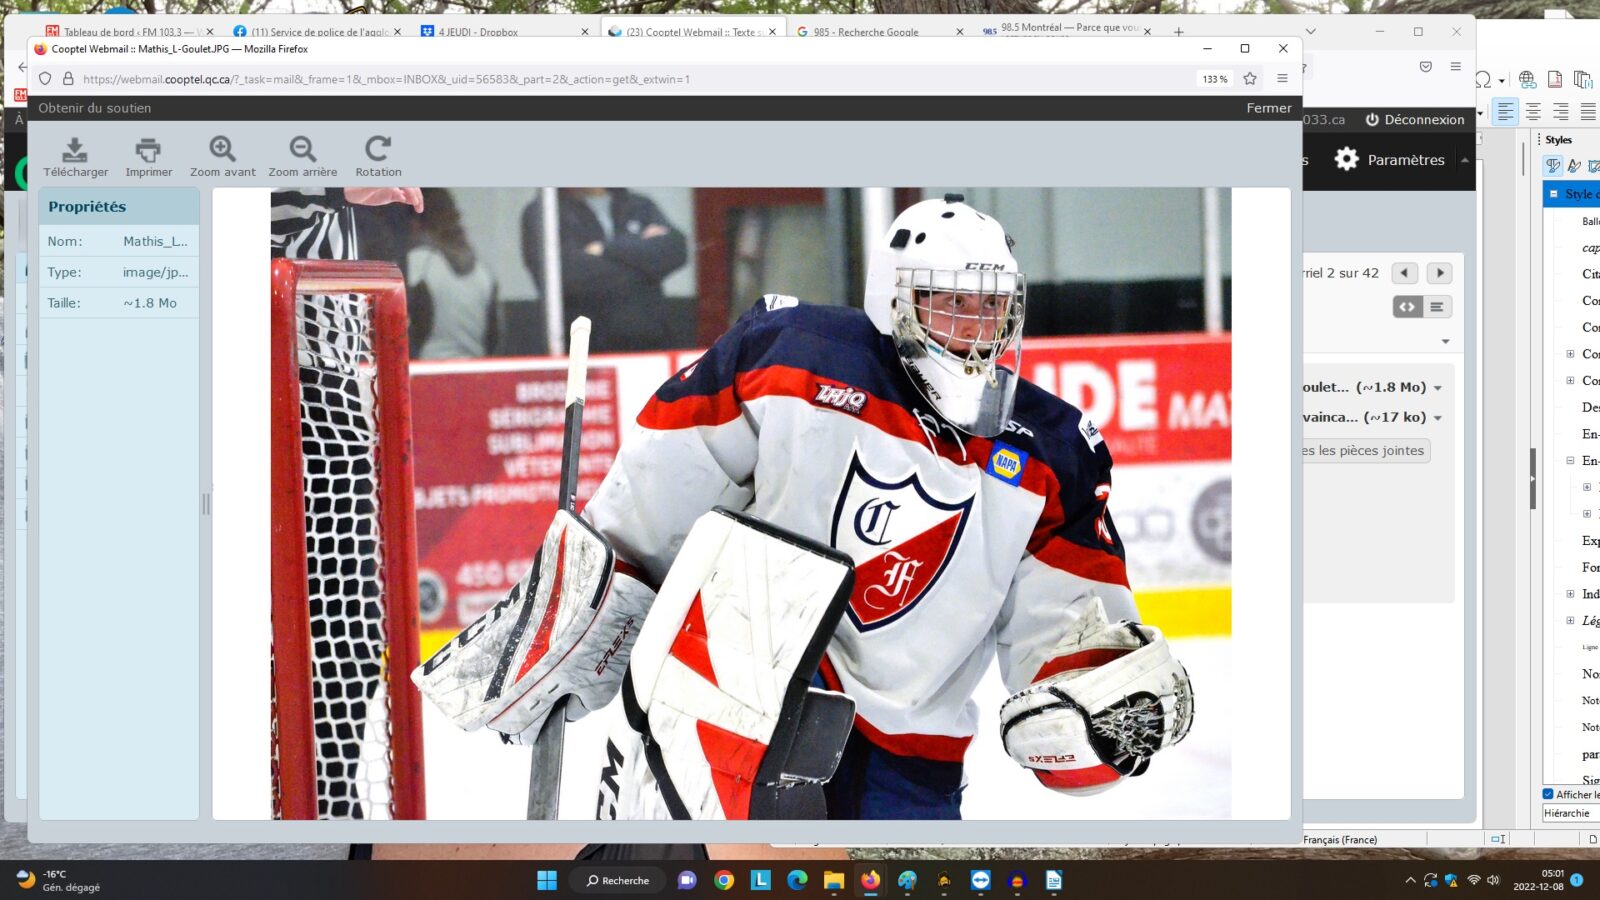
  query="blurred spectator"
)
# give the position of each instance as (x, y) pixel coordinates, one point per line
(450, 296)
(616, 247)
(318, 223)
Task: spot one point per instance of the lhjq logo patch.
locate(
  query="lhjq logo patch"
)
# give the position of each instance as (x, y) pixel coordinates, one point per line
(1007, 462)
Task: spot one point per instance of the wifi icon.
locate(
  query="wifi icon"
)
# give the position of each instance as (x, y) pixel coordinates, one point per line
(1474, 879)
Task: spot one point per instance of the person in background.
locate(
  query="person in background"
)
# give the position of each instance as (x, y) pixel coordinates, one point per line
(319, 223)
(451, 297)
(616, 247)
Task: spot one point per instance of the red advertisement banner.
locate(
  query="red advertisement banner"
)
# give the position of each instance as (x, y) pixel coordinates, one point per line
(487, 466)
(1155, 398)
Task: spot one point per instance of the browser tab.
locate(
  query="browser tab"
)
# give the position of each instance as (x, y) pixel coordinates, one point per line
(666, 27)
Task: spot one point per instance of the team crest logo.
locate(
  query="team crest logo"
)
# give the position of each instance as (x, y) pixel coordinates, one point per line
(901, 537)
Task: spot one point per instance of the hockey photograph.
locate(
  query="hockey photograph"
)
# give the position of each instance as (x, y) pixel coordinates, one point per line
(909, 503)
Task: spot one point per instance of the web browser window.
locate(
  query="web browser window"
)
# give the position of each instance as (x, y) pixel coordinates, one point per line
(780, 326)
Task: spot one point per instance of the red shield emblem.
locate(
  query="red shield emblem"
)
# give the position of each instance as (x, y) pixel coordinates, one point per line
(901, 538)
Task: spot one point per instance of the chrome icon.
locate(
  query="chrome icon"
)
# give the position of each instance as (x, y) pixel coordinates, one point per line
(723, 880)
(797, 879)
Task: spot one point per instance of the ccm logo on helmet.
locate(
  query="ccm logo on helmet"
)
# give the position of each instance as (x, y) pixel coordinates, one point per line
(985, 267)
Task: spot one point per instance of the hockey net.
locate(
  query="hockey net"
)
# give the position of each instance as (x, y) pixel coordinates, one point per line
(346, 728)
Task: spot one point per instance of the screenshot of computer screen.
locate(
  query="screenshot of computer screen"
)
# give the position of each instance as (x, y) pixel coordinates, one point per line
(1307, 260)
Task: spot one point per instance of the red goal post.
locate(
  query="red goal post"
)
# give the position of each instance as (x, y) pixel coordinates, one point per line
(347, 729)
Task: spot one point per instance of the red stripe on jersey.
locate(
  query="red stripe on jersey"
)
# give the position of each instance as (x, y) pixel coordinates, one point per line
(829, 676)
(1051, 518)
(890, 418)
(541, 638)
(939, 747)
(1083, 659)
(691, 647)
(1084, 562)
(735, 760)
(691, 411)
(791, 381)
(1068, 779)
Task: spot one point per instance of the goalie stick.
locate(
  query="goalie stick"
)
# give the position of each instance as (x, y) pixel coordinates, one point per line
(544, 774)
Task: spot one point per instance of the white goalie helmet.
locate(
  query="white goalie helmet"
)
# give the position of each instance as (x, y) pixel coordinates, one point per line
(943, 284)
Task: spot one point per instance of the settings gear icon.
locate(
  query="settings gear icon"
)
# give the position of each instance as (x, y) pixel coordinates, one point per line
(1346, 159)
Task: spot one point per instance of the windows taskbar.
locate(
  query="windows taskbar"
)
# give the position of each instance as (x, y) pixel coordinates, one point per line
(967, 879)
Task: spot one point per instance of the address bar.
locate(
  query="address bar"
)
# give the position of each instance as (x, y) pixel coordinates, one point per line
(973, 79)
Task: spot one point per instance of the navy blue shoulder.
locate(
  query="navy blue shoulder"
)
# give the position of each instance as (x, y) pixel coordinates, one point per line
(835, 343)
(1058, 434)
(775, 314)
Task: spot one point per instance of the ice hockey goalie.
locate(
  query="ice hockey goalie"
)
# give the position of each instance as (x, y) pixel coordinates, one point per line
(970, 505)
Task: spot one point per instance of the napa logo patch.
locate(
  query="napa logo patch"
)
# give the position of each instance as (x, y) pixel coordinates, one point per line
(1007, 462)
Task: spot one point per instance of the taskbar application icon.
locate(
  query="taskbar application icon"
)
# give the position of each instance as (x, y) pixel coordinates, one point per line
(870, 879)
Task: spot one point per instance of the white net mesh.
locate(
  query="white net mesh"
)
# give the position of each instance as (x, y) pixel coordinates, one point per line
(344, 556)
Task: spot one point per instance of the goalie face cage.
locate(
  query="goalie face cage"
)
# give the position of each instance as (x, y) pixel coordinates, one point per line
(346, 729)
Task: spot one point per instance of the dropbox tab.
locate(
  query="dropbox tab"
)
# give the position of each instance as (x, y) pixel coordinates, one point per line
(115, 452)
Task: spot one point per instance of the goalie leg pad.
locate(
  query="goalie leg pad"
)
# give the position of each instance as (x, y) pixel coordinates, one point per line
(628, 788)
(719, 683)
(1082, 729)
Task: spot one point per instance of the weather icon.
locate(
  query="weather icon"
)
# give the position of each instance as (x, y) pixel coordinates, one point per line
(25, 879)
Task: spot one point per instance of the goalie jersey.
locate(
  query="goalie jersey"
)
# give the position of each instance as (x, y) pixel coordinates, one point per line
(964, 547)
